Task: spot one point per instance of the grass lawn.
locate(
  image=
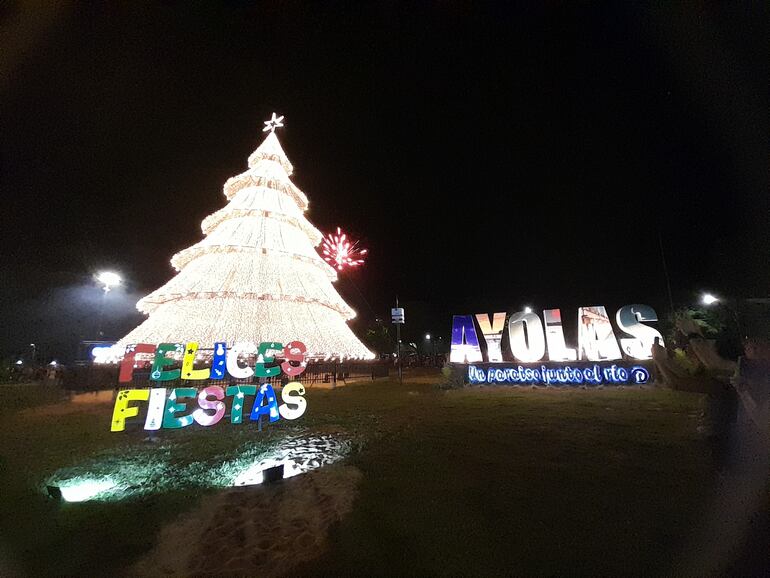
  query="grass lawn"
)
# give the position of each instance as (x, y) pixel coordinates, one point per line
(474, 481)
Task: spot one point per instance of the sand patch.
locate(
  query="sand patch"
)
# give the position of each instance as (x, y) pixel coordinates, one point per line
(264, 530)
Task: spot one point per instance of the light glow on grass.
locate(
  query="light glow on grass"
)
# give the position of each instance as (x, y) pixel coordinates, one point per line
(156, 469)
(82, 490)
(115, 476)
(298, 455)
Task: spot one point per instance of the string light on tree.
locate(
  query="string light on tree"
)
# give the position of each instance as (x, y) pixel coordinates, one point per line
(340, 252)
(256, 275)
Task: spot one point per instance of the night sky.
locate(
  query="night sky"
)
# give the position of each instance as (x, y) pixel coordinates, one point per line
(489, 156)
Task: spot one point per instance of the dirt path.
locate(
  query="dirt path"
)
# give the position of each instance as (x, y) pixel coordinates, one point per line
(256, 530)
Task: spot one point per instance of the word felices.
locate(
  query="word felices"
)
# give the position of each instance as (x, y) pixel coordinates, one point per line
(224, 361)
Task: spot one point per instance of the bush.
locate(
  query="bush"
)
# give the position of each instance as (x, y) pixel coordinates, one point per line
(685, 362)
(454, 376)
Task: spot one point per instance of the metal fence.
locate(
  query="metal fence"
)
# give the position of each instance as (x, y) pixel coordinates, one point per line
(319, 374)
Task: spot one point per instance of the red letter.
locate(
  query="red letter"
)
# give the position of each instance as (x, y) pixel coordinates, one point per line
(294, 351)
(127, 365)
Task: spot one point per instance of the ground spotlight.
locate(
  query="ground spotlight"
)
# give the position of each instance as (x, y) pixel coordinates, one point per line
(54, 492)
(272, 475)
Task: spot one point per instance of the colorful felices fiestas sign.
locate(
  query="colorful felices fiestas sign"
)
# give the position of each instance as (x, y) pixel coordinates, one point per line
(163, 409)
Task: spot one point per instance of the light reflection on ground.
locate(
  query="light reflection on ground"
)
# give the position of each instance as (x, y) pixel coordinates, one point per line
(297, 456)
(117, 476)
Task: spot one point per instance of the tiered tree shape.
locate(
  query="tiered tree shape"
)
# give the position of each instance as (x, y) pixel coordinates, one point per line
(256, 275)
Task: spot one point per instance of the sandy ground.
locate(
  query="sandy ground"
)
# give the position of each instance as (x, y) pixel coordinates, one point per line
(257, 530)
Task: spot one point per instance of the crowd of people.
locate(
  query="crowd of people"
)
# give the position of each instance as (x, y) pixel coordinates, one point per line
(28, 373)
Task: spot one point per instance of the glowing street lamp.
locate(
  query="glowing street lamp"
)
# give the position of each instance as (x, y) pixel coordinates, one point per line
(108, 279)
(528, 309)
(432, 343)
(730, 305)
(709, 299)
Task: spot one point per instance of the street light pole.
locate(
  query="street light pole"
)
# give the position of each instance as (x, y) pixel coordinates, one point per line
(432, 348)
(708, 299)
(108, 279)
(665, 273)
(398, 349)
(99, 331)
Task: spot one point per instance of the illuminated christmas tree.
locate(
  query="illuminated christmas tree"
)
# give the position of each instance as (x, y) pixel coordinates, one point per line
(256, 275)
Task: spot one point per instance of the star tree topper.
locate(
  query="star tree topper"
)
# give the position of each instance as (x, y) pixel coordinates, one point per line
(273, 123)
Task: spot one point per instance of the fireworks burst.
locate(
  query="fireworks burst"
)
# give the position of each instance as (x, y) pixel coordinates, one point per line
(340, 252)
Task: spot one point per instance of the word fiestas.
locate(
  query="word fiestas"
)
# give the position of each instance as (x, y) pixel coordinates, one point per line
(528, 335)
(565, 375)
(163, 411)
(293, 365)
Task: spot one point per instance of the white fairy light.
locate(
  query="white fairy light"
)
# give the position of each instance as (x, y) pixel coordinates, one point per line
(256, 275)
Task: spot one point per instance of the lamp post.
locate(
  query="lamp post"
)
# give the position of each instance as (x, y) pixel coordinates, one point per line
(432, 348)
(709, 299)
(108, 280)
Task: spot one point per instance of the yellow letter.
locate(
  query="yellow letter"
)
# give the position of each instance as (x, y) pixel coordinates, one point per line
(122, 411)
(188, 362)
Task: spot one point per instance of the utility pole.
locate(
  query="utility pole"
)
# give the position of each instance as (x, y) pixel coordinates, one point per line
(665, 272)
(100, 333)
(397, 318)
(398, 348)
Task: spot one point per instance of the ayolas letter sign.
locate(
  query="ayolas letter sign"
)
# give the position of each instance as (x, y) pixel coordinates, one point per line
(532, 339)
